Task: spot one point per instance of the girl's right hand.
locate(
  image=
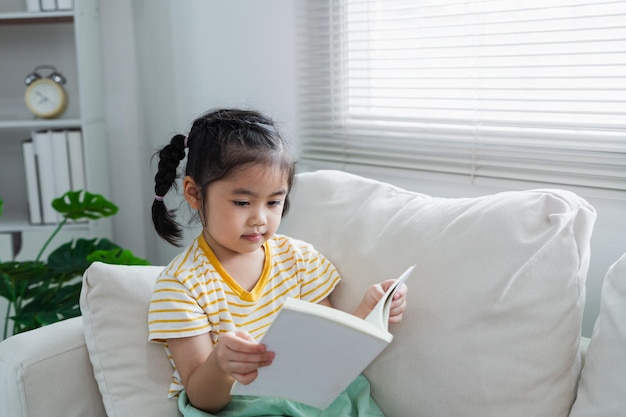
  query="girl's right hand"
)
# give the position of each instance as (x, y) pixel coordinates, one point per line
(239, 355)
(207, 372)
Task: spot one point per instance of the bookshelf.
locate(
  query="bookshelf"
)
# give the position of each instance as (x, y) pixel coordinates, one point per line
(71, 41)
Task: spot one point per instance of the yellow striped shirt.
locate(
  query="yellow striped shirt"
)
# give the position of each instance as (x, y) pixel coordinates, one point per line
(194, 294)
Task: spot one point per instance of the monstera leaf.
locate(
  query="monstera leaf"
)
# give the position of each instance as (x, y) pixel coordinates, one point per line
(20, 283)
(17, 277)
(70, 259)
(40, 293)
(117, 256)
(76, 205)
(49, 305)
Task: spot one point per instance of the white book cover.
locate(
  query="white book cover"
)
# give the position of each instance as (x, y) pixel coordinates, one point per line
(32, 183)
(65, 4)
(320, 350)
(45, 168)
(32, 6)
(48, 5)
(61, 163)
(76, 161)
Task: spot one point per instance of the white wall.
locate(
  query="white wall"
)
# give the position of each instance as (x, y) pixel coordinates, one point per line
(168, 61)
(238, 53)
(129, 150)
(165, 65)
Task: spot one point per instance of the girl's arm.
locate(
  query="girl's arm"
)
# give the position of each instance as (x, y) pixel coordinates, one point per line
(208, 372)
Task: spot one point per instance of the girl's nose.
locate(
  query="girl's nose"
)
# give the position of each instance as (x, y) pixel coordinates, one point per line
(259, 218)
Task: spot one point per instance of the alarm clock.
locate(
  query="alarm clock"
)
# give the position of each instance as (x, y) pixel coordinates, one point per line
(45, 97)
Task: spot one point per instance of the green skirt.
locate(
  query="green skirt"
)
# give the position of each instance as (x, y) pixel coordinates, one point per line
(355, 401)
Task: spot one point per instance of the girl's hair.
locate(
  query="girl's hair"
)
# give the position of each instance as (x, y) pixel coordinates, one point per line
(218, 142)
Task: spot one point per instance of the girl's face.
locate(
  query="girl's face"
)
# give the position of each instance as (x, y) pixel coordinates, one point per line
(243, 211)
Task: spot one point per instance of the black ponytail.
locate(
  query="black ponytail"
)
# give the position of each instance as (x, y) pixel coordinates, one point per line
(163, 219)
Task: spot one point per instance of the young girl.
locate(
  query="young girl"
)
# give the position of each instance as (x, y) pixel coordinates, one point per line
(217, 298)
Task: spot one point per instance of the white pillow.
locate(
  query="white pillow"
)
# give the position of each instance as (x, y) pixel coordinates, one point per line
(602, 389)
(133, 374)
(495, 305)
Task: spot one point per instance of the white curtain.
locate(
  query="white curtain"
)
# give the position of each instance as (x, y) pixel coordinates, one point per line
(531, 90)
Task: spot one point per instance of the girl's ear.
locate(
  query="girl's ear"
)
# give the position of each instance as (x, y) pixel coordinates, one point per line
(192, 193)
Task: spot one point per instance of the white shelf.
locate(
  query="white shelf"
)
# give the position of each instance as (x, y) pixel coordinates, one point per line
(17, 225)
(71, 41)
(39, 124)
(36, 17)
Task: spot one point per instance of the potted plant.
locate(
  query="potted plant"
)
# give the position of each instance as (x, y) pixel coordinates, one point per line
(43, 292)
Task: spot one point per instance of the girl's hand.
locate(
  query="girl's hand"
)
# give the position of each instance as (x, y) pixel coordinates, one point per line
(375, 293)
(207, 371)
(398, 304)
(240, 356)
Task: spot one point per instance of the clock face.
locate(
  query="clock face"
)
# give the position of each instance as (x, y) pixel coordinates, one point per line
(46, 98)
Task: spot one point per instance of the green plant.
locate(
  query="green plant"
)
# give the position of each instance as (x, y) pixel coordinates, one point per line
(41, 293)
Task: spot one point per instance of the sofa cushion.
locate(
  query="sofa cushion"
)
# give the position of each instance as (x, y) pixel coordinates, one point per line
(133, 374)
(602, 389)
(495, 305)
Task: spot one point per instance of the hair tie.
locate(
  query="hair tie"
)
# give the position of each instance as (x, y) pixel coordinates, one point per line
(185, 141)
(158, 197)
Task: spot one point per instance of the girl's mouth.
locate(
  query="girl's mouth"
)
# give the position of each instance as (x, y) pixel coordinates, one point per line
(253, 237)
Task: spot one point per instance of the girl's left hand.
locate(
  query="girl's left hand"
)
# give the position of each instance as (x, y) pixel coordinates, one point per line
(398, 304)
(375, 293)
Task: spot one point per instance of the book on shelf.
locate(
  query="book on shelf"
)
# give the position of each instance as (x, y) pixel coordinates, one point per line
(48, 5)
(76, 161)
(65, 4)
(54, 164)
(32, 6)
(60, 163)
(45, 170)
(320, 350)
(32, 187)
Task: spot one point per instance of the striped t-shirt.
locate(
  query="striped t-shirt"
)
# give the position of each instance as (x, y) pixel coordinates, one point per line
(194, 294)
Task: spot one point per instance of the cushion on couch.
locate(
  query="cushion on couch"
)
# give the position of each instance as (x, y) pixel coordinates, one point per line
(494, 311)
(133, 374)
(602, 389)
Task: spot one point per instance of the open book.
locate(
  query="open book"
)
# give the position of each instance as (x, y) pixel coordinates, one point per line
(320, 350)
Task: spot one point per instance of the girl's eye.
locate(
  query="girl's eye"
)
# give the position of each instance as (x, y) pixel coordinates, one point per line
(275, 203)
(241, 203)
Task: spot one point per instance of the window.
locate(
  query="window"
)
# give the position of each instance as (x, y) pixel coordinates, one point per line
(531, 90)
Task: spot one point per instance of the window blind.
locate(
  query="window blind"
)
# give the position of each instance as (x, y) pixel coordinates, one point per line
(531, 90)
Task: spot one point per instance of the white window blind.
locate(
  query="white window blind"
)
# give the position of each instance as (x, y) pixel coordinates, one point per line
(531, 90)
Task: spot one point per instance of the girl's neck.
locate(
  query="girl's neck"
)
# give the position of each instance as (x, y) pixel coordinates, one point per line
(245, 268)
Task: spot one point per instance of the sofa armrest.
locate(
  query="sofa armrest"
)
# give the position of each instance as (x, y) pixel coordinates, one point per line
(46, 372)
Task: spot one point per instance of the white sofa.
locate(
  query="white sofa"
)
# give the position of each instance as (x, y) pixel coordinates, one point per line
(492, 327)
